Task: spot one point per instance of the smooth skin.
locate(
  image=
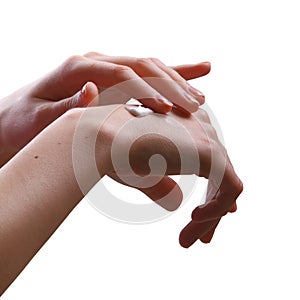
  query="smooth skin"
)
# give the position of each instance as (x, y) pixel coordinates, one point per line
(75, 83)
(37, 194)
(46, 192)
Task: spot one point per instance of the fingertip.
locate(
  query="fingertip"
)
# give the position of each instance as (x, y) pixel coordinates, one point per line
(233, 208)
(178, 110)
(187, 237)
(193, 107)
(165, 105)
(173, 199)
(201, 99)
(159, 105)
(183, 245)
(207, 63)
(89, 94)
(207, 67)
(166, 109)
(205, 240)
(92, 88)
(166, 193)
(183, 242)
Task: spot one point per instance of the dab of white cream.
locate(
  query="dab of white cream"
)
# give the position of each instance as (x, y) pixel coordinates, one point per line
(138, 110)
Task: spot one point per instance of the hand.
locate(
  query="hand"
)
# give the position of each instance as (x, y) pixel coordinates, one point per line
(76, 83)
(146, 79)
(55, 171)
(189, 145)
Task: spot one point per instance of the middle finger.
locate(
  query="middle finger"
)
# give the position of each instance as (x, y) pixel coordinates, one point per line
(172, 89)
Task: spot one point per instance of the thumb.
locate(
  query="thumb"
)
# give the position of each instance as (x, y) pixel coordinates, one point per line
(166, 193)
(85, 97)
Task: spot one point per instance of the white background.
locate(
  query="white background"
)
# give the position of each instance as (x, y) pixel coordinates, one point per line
(253, 90)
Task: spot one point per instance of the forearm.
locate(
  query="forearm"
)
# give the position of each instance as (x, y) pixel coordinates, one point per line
(38, 190)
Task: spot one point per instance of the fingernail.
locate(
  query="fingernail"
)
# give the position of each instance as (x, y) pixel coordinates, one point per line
(83, 90)
(194, 90)
(83, 99)
(201, 99)
(197, 94)
(165, 101)
(192, 100)
(183, 112)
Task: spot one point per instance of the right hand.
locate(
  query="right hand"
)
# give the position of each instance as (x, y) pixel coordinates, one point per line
(77, 83)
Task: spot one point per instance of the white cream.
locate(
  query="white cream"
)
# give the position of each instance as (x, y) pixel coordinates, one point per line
(138, 110)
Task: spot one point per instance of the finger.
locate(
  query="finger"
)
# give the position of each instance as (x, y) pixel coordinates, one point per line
(89, 96)
(233, 208)
(158, 79)
(207, 237)
(76, 71)
(85, 97)
(178, 73)
(93, 55)
(199, 96)
(231, 187)
(130, 85)
(166, 193)
(174, 73)
(193, 71)
(187, 71)
(193, 231)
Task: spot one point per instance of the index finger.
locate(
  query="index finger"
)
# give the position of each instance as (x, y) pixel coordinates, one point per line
(224, 200)
(193, 71)
(194, 230)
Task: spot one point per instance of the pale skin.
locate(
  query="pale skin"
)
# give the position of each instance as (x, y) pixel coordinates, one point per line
(78, 79)
(37, 194)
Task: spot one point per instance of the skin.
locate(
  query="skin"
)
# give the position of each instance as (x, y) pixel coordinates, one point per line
(76, 82)
(45, 193)
(33, 209)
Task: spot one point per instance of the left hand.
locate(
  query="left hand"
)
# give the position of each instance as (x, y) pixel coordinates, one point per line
(188, 145)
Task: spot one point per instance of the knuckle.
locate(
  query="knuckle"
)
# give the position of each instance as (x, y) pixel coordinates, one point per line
(143, 63)
(155, 60)
(121, 71)
(72, 62)
(239, 187)
(212, 132)
(235, 187)
(91, 54)
(74, 59)
(214, 146)
(40, 112)
(203, 115)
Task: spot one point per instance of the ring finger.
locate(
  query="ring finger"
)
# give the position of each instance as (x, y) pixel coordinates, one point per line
(174, 89)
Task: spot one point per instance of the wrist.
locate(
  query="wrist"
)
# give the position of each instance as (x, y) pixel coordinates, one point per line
(89, 145)
(6, 151)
